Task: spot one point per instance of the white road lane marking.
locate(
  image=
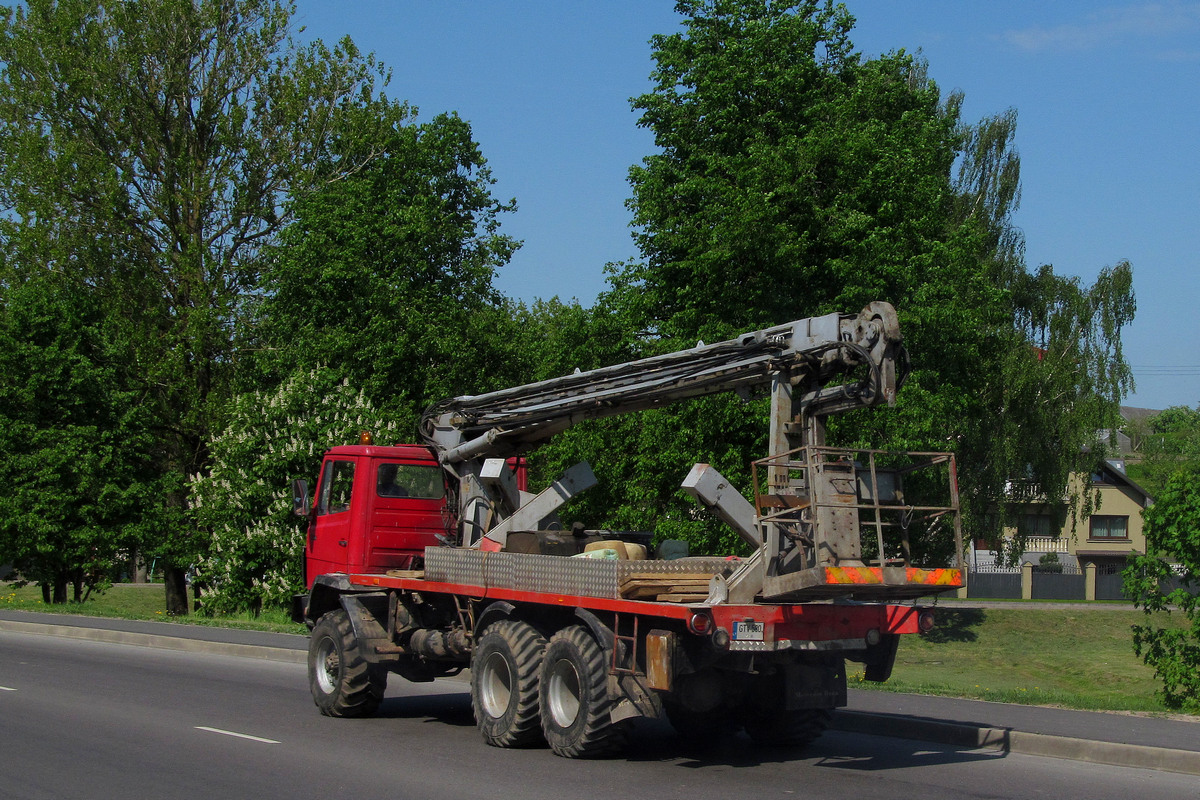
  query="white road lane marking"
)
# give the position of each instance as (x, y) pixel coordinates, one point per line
(238, 735)
(7, 689)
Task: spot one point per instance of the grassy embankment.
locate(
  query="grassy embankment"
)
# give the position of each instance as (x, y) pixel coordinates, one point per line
(141, 601)
(1054, 655)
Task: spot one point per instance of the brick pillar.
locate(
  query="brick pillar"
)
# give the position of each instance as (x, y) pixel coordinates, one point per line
(1027, 581)
(1089, 582)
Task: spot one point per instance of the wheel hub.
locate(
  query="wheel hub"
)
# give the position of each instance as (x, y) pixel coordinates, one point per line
(496, 686)
(331, 662)
(563, 693)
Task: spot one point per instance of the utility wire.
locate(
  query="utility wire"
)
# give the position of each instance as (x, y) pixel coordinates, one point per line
(1184, 370)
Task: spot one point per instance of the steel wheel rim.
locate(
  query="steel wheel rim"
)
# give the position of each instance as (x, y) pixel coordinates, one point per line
(563, 693)
(328, 664)
(495, 685)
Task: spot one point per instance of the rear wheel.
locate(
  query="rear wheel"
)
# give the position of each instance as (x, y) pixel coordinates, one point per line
(575, 706)
(699, 708)
(700, 727)
(343, 683)
(780, 727)
(504, 683)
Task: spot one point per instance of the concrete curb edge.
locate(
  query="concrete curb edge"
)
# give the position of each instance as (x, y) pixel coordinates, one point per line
(160, 642)
(1008, 740)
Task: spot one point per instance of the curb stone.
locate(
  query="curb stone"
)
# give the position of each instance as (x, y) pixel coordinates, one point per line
(1007, 740)
(159, 642)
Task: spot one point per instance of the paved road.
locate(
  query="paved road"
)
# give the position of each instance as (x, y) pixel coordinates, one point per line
(1116, 739)
(100, 720)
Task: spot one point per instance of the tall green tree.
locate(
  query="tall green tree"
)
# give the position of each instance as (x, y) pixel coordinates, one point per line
(794, 177)
(377, 300)
(791, 175)
(75, 452)
(1170, 444)
(175, 130)
(387, 275)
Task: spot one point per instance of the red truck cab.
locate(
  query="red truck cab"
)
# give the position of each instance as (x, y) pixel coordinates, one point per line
(375, 508)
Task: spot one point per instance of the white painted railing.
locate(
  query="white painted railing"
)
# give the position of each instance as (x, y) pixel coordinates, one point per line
(1045, 544)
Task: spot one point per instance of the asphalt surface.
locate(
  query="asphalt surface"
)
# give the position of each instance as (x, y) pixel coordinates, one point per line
(101, 721)
(1132, 740)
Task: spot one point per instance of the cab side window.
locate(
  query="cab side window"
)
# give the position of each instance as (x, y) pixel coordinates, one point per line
(337, 479)
(410, 480)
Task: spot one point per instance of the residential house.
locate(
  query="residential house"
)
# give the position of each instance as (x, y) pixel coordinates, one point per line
(1105, 538)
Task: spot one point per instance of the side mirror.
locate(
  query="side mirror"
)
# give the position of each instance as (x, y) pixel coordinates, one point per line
(300, 497)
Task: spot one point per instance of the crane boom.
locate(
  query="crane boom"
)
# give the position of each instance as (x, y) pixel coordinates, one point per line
(810, 353)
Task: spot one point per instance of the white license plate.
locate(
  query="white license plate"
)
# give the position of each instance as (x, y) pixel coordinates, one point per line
(748, 631)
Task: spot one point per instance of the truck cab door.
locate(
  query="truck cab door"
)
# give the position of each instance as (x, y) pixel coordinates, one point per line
(408, 512)
(331, 546)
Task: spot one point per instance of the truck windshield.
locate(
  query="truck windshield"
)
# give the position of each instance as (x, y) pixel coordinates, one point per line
(410, 480)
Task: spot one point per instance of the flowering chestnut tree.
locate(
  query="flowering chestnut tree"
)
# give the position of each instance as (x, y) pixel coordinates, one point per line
(255, 544)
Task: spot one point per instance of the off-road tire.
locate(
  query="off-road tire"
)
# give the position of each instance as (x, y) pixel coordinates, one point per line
(343, 683)
(504, 683)
(780, 727)
(575, 705)
(701, 727)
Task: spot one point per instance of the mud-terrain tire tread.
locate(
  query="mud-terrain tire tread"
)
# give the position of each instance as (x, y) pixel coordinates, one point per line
(508, 660)
(573, 656)
(350, 686)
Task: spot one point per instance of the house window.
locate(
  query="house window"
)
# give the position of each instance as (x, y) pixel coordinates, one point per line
(1110, 527)
(1030, 525)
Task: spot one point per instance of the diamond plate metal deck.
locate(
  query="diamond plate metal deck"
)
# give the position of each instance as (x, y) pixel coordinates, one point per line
(582, 577)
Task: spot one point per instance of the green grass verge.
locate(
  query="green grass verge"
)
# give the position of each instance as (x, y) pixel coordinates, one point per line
(141, 601)
(1074, 658)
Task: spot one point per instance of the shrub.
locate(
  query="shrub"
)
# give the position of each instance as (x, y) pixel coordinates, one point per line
(256, 545)
(1049, 563)
(1172, 535)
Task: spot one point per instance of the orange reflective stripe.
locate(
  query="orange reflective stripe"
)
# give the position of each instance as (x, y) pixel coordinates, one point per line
(912, 575)
(934, 577)
(853, 575)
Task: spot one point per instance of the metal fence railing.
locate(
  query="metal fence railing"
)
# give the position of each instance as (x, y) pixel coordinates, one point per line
(1057, 582)
(1061, 585)
(1110, 585)
(995, 585)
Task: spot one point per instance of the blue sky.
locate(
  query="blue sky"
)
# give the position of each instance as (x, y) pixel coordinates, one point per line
(1107, 96)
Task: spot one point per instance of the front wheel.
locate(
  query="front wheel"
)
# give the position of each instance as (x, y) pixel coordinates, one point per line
(343, 683)
(576, 709)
